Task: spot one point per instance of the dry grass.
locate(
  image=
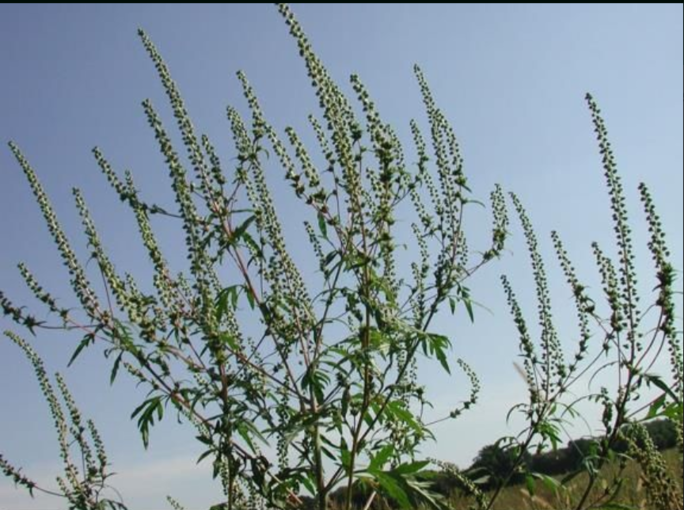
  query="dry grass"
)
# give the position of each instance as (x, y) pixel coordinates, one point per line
(632, 492)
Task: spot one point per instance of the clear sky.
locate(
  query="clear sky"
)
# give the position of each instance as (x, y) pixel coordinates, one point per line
(511, 78)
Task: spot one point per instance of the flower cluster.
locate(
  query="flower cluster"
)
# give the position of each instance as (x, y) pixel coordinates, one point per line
(240, 342)
(81, 489)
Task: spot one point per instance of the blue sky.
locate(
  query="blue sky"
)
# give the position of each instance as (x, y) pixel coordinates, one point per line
(511, 79)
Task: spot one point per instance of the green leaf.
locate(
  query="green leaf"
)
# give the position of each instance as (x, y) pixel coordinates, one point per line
(115, 368)
(110, 504)
(239, 232)
(329, 454)
(436, 345)
(232, 292)
(329, 257)
(398, 410)
(422, 490)
(204, 456)
(250, 299)
(393, 490)
(464, 295)
(87, 340)
(315, 380)
(379, 341)
(452, 305)
(244, 433)
(469, 308)
(657, 381)
(345, 456)
(146, 410)
(379, 460)
(655, 407)
(410, 468)
(441, 356)
(551, 432)
(230, 341)
(221, 304)
(308, 482)
(322, 226)
(257, 252)
(674, 411)
(205, 440)
(551, 483)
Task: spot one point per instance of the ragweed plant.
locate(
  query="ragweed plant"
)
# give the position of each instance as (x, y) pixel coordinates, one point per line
(83, 483)
(299, 383)
(662, 489)
(627, 342)
(292, 387)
